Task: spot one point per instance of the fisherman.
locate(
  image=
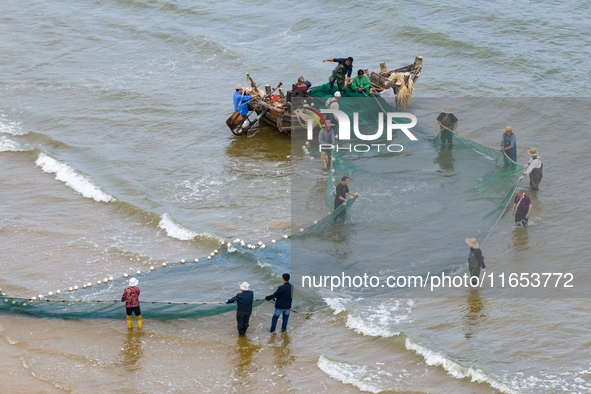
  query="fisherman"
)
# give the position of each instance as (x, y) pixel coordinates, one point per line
(343, 68)
(341, 192)
(521, 207)
(534, 168)
(283, 297)
(302, 86)
(361, 83)
(475, 261)
(131, 297)
(326, 137)
(386, 92)
(244, 300)
(240, 100)
(333, 103)
(448, 124)
(509, 144)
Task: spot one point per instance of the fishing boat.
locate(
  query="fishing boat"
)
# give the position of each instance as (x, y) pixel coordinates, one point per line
(273, 105)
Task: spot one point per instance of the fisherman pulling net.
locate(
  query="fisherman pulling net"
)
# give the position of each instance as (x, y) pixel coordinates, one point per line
(415, 203)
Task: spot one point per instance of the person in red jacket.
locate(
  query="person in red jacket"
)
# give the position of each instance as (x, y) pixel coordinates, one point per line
(131, 297)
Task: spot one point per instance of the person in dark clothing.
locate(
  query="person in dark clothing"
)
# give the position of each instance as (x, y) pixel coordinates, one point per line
(343, 68)
(341, 192)
(475, 261)
(244, 300)
(534, 169)
(521, 207)
(283, 297)
(448, 124)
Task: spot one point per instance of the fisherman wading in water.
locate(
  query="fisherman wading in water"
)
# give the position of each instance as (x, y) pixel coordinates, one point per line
(131, 297)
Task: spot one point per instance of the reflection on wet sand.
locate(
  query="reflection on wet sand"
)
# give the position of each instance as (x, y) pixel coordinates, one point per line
(282, 352)
(245, 351)
(520, 238)
(131, 352)
(474, 314)
(445, 158)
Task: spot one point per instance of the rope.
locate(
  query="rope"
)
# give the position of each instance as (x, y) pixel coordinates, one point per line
(116, 301)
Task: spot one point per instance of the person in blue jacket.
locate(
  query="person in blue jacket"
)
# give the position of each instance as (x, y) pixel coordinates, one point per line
(283, 297)
(240, 100)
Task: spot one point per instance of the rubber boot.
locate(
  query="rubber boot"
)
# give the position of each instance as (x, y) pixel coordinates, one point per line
(129, 325)
(139, 322)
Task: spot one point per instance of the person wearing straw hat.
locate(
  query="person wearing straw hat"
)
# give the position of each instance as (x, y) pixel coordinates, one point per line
(244, 300)
(131, 297)
(521, 207)
(475, 260)
(448, 124)
(509, 143)
(534, 169)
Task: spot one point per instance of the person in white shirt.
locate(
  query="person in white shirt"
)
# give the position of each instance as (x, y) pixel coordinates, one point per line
(534, 168)
(332, 103)
(387, 93)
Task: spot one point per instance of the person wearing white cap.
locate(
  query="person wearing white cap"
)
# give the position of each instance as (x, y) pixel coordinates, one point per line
(332, 103)
(475, 260)
(244, 300)
(534, 169)
(131, 297)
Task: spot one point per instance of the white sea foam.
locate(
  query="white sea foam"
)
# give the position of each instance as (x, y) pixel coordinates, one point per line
(71, 178)
(336, 304)
(371, 328)
(362, 377)
(454, 369)
(11, 128)
(175, 230)
(8, 145)
(375, 320)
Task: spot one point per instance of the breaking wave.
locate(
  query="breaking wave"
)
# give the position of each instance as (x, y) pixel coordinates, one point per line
(375, 320)
(72, 179)
(454, 369)
(175, 230)
(8, 145)
(359, 376)
(11, 128)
